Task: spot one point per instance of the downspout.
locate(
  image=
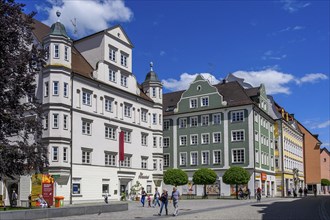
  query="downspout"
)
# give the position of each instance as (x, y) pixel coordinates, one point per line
(71, 136)
(282, 157)
(254, 155)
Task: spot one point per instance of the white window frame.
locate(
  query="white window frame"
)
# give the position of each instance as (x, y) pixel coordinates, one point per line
(257, 156)
(215, 140)
(86, 156)
(144, 139)
(154, 93)
(46, 89)
(154, 164)
(218, 116)
(182, 122)
(144, 115)
(183, 140)
(112, 76)
(55, 120)
(127, 136)
(203, 140)
(154, 118)
(86, 127)
(144, 163)
(234, 138)
(123, 80)
(126, 162)
(110, 159)
(55, 153)
(236, 160)
(166, 125)
(66, 89)
(56, 51)
(166, 142)
(237, 116)
(87, 98)
(112, 54)
(193, 161)
(65, 154)
(193, 102)
(205, 120)
(154, 141)
(110, 132)
(108, 104)
(123, 60)
(65, 121)
(215, 152)
(205, 101)
(166, 158)
(195, 120)
(56, 88)
(183, 158)
(127, 110)
(66, 53)
(193, 137)
(205, 160)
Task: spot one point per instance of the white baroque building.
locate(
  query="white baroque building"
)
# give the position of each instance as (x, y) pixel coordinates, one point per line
(89, 95)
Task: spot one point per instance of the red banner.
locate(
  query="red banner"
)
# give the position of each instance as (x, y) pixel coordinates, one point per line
(47, 192)
(121, 146)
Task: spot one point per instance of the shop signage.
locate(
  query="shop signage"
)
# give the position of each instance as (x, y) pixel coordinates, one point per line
(141, 176)
(263, 176)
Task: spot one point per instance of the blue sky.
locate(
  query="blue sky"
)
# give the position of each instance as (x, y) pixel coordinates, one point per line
(283, 44)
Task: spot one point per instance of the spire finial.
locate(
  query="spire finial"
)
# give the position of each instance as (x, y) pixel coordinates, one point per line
(58, 14)
(151, 65)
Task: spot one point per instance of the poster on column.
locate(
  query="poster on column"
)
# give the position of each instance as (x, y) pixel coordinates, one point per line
(42, 185)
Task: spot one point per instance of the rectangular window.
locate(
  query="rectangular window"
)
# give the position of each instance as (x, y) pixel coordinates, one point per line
(55, 88)
(110, 159)
(217, 137)
(126, 162)
(65, 154)
(217, 119)
(144, 163)
(166, 125)
(154, 141)
(193, 158)
(86, 127)
(127, 136)
(183, 140)
(86, 157)
(193, 103)
(105, 188)
(144, 139)
(182, 123)
(55, 120)
(237, 116)
(127, 110)
(153, 92)
(110, 132)
(205, 157)
(204, 101)
(75, 188)
(66, 90)
(56, 51)
(144, 115)
(160, 142)
(154, 118)
(216, 157)
(183, 158)
(193, 121)
(55, 154)
(154, 164)
(160, 119)
(108, 105)
(112, 54)
(46, 89)
(112, 76)
(238, 156)
(276, 163)
(205, 120)
(65, 122)
(123, 60)
(46, 122)
(205, 138)
(166, 160)
(237, 135)
(87, 98)
(257, 156)
(123, 80)
(66, 53)
(193, 139)
(166, 142)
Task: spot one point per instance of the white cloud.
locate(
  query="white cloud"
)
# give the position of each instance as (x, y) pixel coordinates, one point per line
(323, 125)
(312, 78)
(92, 16)
(162, 53)
(294, 5)
(271, 55)
(326, 145)
(185, 80)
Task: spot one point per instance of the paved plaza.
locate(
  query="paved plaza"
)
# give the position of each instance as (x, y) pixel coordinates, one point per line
(269, 208)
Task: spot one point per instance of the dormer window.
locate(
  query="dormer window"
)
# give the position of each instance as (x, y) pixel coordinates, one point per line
(193, 103)
(112, 54)
(204, 101)
(56, 51)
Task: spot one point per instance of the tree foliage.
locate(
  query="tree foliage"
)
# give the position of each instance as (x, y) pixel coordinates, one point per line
(175, 177)
(204, 176)
(236, 176)
(325, 182)
(20, 124)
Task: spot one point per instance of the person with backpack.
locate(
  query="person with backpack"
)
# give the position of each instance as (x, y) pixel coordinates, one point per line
(164, 199)
(143, 196)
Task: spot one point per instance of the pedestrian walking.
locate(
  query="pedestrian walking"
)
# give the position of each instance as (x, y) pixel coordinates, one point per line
(300, 192)
(143, 196)
(248, 193)
(294, 193)
(164, 199)
(315, 192)
(156, 198)
(305, 191)
(149, 200)
(14, 198)
(175, 198)
(106, 197)
(258, 194)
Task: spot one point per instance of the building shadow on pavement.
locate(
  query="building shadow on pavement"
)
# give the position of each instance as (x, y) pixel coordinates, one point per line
(301, 208)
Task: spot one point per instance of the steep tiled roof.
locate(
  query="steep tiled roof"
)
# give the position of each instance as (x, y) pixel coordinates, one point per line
(40, 30)
(233, 93)
(79, 64)
(252, 91)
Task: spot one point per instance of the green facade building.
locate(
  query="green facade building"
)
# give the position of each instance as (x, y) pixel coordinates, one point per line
(219, 126)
